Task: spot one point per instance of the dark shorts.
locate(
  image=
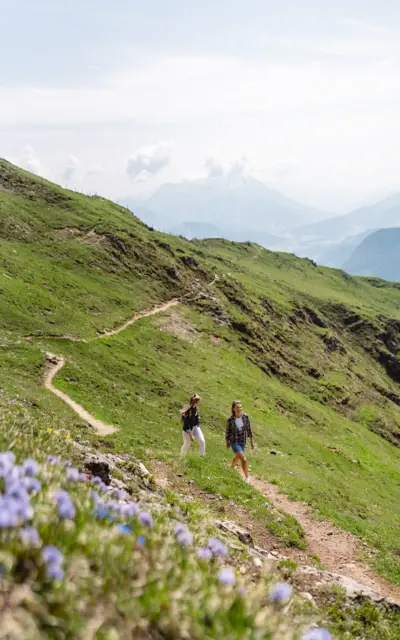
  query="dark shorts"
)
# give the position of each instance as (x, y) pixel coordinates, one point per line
(238, 448)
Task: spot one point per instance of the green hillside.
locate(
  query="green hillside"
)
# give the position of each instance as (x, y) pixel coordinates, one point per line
(310, 351)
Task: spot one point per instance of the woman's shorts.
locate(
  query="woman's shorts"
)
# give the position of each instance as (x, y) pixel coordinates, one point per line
(238, 448)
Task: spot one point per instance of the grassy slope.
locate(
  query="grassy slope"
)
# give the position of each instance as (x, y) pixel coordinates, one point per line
(75, 265)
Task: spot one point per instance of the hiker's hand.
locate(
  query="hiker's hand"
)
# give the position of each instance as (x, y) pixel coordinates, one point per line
(228, 444)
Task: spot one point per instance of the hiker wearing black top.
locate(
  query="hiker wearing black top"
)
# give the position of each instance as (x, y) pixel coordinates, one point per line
(191, 429)
(238, 429)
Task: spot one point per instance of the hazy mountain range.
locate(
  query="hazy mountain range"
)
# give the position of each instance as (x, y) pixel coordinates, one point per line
(239, 202)
(377, 255)
(243, 208)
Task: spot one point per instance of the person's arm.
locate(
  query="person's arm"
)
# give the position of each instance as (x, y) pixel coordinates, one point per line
(228, 434)
(250, 433)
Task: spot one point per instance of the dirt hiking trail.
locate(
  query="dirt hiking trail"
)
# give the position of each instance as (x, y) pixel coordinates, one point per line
(338, 550)
(138, 316)
(55, 364)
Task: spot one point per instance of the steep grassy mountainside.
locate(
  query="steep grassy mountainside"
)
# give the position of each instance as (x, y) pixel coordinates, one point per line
(311, 352)
(377, 255)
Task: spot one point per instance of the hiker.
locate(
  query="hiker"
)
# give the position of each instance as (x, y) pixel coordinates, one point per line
(191, 425)
(238, 429)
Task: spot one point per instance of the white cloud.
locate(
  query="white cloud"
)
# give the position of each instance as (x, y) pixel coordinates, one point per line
(30, 161)
(216, 169)
(177, 89)
(148, 161)
(332, 105)
(71, 169)
(213, 168)
(284, 170)
(92, 172)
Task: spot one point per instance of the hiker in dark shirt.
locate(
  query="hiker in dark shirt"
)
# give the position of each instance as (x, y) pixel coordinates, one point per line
(190, 417)
(238, 429)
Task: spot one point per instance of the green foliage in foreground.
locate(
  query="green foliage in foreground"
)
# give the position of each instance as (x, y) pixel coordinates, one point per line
(137, 582)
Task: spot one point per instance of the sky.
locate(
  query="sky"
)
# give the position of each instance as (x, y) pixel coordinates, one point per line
(119, 97)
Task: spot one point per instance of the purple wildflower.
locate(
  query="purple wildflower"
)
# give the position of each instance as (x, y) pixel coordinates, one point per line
(8, 455)
(83, 477)
(204, 553)
(32, 485)
(217, 547)
(227, 576)
(183, 535)
(7, 460)
(146, 519)
(53, 558)
(14, 507)
(125, 528)
(67, 464)
(14, 475)
(54, 571)
(29, 536)
(52, 555)
(102, 513)
(53, 460)
(73, 475)
(98, 481)
(141, 540)
(66, 510)
(129, 510)
(317, 634)
(281, 593)
(115, 506)
(106, 489)
(8, 518)
(61, 496)
(30, 467)
(16, 492)
(118, 494)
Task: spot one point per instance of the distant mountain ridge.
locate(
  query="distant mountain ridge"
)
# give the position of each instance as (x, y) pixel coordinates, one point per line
(378, 255)
(384, 213)
(242, 203)
(244, 209)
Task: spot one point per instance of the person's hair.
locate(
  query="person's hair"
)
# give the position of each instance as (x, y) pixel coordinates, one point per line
(234, 403)
(194, 398)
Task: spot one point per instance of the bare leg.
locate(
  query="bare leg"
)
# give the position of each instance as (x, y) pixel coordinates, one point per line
(245, 466)
(235, 460)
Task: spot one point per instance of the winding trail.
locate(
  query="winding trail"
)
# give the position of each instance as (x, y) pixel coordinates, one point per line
(55, 364)
(337, 549)
(138, 316)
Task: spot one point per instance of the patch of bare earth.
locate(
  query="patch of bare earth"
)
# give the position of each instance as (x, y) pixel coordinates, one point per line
(90, 237)
(178, 326)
